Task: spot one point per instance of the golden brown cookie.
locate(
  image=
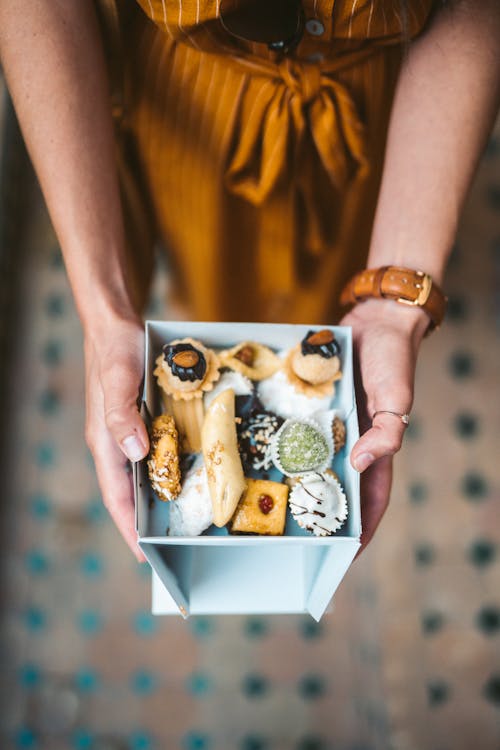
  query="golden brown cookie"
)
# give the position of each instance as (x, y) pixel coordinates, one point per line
(163, 461)
(252, 359)
(262, 509)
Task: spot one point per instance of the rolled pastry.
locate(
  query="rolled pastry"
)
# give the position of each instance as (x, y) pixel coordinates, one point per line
(163, 462)
(226, 481)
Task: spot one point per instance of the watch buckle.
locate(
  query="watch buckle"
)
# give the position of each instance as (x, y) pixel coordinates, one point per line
(424, 287)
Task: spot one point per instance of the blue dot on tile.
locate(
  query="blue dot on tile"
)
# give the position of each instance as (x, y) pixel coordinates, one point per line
(35, 619)
(25, 738)
(432, 622)
(255, 685)
(199, 684)
(254, 742)
(36, 562)
(87, 680)
(492, 147)
(82, 739)
(438, 692)
(45, 454)
(91, 565)
(143, 682)
(40, 506)
(90, 622)
(456, 310)
(311, 742)
(482, 552)
(488, 619)
(414, 429)
(418, 492)
(145, 623)
(312, 686)
(140, 740)
(52, 352)
(424, 554)
(49, 402)
(310, 629)
(491, 690)
(201, 627)
(196, 741)
(474, 487)
(55, 305)
(30, 676)
(461, 365)
(256, 627)
(95, 512)
(466, 425)
(493, 197)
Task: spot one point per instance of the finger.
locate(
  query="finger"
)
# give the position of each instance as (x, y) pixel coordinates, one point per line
(384, 438)
(375, 491)
(120, 385)
(115, 481)
(111, 466)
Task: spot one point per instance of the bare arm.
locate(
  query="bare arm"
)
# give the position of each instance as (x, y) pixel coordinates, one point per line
(446, 101)
(54, 65)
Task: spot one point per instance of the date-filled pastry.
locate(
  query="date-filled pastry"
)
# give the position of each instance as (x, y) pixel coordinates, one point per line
(252, 359)
(262, 509)
(163, 461)
(185, 370)
(226, 481)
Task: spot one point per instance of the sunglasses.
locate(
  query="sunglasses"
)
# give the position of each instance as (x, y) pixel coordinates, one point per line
(277, 23)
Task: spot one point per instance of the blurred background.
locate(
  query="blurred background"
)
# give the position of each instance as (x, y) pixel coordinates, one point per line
(408, 659)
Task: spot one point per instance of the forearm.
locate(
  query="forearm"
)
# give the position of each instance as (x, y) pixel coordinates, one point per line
(446, 100)
(53, 61)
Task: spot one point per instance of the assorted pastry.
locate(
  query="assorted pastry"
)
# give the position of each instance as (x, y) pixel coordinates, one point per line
(247, 437)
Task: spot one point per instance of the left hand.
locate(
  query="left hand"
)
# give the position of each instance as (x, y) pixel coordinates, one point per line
(386, 338)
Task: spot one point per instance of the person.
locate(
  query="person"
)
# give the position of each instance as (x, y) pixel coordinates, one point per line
(273, 174)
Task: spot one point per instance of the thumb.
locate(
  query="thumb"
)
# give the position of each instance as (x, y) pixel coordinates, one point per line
(120, 386)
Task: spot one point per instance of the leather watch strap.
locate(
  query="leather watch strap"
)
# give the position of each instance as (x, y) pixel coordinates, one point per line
(403, 285)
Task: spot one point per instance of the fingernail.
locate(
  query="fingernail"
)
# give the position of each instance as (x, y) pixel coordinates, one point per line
(363, 461)
(133, 448)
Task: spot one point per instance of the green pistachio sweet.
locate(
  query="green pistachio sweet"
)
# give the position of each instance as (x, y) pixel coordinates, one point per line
(302, 447)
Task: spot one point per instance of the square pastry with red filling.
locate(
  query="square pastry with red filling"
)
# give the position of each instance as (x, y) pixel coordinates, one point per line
(262, 509)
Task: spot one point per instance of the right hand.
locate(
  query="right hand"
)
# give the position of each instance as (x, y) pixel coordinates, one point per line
(115, 432)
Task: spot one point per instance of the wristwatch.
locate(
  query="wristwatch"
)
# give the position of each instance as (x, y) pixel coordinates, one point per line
(414, 288)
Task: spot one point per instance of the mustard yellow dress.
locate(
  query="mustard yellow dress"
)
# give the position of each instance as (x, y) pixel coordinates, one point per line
(263, 173)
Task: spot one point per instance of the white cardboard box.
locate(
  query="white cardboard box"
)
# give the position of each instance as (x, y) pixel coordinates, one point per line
(217, 573)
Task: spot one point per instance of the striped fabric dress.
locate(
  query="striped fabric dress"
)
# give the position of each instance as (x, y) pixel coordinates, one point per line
(263, 173)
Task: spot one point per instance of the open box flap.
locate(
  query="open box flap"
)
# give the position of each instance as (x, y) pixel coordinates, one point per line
(328, 574)
(166, 576)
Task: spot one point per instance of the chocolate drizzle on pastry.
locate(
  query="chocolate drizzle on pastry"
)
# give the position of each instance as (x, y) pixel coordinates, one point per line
(321, 342)
(185, 361)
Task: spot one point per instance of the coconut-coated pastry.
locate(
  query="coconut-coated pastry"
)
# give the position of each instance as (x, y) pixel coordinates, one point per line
(191, 513)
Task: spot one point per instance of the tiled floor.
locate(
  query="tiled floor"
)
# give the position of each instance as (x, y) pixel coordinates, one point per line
(408, 660)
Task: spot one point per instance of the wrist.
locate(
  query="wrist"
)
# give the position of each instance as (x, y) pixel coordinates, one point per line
(107, 318)
(408, 288)
(412, 321)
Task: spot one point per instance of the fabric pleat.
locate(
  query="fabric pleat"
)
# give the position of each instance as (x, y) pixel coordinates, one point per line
(264, 172)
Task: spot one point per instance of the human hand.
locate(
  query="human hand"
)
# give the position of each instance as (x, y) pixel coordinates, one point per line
(386, 338)
(115, 432)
